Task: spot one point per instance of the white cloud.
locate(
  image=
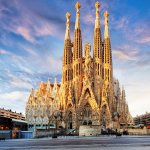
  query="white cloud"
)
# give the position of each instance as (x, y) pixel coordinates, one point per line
(89, 19)
(123, 22)
(14, 100)
(4, 52)
(16, 82)
(23, 31)
(144, 40)
(124, 55)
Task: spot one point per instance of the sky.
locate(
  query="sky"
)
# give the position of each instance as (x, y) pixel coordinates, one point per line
(32, 40)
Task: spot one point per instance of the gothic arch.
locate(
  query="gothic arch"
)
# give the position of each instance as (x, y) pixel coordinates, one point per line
(69, 116)
(87, 95)
(105, 115)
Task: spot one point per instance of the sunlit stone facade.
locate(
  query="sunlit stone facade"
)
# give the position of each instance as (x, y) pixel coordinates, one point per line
(88, 94)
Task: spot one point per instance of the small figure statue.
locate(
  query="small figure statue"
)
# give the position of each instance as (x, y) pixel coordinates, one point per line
(88, 62)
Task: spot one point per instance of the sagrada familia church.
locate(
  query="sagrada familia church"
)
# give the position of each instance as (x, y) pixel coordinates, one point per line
(88, 93)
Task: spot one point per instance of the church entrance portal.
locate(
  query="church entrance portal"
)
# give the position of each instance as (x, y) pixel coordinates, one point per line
(70, 120)
(87, 115)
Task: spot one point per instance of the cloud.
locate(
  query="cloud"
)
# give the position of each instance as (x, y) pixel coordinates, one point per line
(138, 32)
(29, 23)
(14, 100)
(126, 52)
(25, 33)
(4, 52)
(122, 23)
(145, 39)
(142, 33)
(124, 55)
(89, 19)
(20, 83)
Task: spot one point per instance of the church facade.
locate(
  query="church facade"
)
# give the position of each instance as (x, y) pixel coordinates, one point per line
(88, 93)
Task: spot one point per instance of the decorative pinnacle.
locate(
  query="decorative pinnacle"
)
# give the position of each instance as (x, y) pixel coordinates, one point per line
(97, 4)
(68, 15)
(78, 5)
(67, 35)
(106, 14)
(106, 32)
(77, 24)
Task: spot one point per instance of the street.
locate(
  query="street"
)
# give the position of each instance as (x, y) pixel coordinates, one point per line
(84, 143)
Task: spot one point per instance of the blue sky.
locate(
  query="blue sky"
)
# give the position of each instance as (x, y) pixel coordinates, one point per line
(32, 37)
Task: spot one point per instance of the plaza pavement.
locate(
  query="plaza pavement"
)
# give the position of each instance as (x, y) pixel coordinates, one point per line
(80, 143)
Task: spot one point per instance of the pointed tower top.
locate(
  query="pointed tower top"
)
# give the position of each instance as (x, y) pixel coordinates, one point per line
(32, 93)
(78, 5)
(106, 14)
(97, 20)
(68, 15)
(77, 24)
(106, 32)
(67, 35)
(55, 81)
(32, 89)
(48, 84)
(123, 88)
(97, 4)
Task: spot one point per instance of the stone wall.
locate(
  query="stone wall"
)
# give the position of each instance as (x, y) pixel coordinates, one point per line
(45, 132)
(143, 131)
(92, 130)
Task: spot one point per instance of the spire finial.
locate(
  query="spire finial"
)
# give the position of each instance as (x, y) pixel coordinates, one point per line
(106, 14)
(97, 21)
(77, 24)
(97, 5)
(68, 15)
(78, 5)
(106, 32)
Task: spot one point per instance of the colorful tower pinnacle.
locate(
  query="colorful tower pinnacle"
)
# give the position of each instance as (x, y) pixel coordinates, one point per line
(77, 37)
(97, 54)
(77, 24)
(67, 35)
(67, 57)
(77, 53)
(107, 53)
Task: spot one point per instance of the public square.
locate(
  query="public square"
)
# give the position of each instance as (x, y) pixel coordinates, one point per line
(84, 143)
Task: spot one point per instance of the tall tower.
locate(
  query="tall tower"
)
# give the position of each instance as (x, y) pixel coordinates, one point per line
(107, 64)
(107, 53)
(97, 55)
(77, 55)
(67, 72)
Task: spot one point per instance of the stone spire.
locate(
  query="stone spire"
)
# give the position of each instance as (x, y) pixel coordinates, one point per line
(67, 56)
(31, 96)
(77, 36)
(32, 93)
(107, 65)
(77, 54)
(77, 24)
(67, 35)
(107, 54)
(97, 37)
(97, 20)
(97, 54)
(106, 31)
(48, 84)
(123, 95)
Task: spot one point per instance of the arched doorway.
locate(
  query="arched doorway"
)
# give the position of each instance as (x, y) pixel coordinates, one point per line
(87, 115)
(105, 116)
(70, 120)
